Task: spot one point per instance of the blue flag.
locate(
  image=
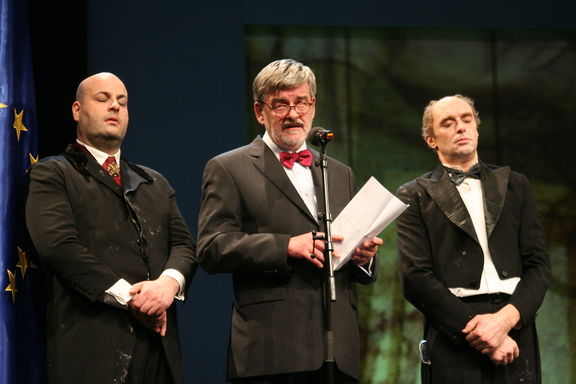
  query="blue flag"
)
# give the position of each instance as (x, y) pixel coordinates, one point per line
(21, 314)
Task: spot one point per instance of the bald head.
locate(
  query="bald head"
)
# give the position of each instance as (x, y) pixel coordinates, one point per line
(94, 79)
(428, 117)
(453, 130)
(101, 111)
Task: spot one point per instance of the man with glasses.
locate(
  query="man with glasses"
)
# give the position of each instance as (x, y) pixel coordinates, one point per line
(259, 209)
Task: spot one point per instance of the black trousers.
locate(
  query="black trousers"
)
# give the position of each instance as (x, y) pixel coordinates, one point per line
(457, 363)
(148, 365)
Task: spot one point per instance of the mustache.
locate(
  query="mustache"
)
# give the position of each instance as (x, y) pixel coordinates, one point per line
(291, 123)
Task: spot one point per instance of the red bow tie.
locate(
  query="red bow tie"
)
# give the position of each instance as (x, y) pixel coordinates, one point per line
(303, 157)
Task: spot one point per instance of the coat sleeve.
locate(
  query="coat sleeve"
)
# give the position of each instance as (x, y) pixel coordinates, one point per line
(182, 246)
(420, 284)
(50, 221)
(536, 270)
(223, 244)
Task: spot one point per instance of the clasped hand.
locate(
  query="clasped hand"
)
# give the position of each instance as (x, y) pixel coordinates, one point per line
(488, 334)
(150, 300)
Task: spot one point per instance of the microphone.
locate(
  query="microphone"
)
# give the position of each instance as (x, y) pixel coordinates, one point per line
(320, 136)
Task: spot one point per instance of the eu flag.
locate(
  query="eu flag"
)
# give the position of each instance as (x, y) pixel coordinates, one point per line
(21, 317)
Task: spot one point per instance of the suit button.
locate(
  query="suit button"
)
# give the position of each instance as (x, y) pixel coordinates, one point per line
(473, 284)
(505, 273)
(463, 253)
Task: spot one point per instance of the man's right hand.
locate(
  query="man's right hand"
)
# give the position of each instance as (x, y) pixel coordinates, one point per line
(156, 323)
(304, 246)
(506, 353)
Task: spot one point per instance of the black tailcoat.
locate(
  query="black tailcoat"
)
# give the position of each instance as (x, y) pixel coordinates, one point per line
(438, 247)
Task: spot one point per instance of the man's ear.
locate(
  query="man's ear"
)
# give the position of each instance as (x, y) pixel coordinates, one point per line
(259, 113)
(76, 110)
(431, 142)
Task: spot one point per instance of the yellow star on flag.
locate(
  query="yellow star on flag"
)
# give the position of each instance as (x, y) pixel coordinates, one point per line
(33, 160)
(12, 286)
(23, 262)
(18, 124)
(3, 105)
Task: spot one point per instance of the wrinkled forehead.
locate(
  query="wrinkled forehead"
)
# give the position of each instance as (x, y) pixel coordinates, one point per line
(450, 107)
(299, 92)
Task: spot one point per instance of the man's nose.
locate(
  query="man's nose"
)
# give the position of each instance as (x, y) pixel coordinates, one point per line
(292, 113)
(461, 126)
(115, 105)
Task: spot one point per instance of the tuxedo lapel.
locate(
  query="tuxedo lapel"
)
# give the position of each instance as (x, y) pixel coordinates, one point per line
(267, 163)
(494, 185)
(446, 196)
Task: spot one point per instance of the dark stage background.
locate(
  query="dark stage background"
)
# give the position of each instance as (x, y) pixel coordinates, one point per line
(188, 68)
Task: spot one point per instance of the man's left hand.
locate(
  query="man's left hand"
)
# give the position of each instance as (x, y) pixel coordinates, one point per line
(366, 252)
(487, 332)
(154, 296)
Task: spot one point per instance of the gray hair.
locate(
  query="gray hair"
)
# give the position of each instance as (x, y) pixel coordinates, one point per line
(280, 75)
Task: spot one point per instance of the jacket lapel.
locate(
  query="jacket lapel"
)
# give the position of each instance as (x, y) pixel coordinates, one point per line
(131, 179)
(494, 185)
(96, 171)
(85, 163)
(446, 196)
(267, 163)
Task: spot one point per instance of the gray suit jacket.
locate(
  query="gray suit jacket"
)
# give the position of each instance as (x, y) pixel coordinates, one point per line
(249, 211)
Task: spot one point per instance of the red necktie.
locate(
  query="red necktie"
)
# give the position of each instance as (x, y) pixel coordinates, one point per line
(303, 157)
(111, 166)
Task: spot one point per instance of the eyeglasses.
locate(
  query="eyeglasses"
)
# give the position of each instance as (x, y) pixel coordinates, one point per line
(283, 109)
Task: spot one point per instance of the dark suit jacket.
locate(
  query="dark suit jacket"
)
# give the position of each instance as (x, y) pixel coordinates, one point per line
(89, 233)
(249, 211)
(438, 247)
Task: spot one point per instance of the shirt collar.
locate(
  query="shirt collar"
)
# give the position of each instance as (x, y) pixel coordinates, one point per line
(275, 148)
(98, 154)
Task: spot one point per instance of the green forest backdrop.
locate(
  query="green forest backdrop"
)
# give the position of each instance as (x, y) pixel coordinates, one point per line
(373, 84)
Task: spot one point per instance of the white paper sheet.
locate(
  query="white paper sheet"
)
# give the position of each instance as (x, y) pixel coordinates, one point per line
(371, 210)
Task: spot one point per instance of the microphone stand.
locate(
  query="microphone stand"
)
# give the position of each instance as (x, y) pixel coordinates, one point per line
(329, 290)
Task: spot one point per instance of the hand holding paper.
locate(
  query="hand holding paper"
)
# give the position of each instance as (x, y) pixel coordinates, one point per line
(363, 254)
(366, 215)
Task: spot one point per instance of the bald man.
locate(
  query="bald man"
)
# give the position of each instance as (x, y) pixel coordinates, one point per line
(115, 249)
(473, 258)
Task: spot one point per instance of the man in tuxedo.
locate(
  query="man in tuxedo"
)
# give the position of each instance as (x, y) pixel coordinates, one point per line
(115, 249)
(472, 257)
(259, 209)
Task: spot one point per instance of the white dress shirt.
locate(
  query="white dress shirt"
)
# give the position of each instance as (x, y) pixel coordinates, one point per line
(471, 192)
(301, 178)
